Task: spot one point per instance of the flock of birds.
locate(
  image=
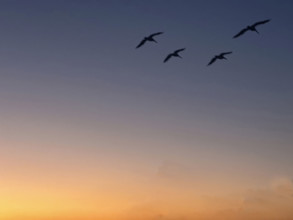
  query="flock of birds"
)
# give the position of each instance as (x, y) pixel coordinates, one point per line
(220, 56)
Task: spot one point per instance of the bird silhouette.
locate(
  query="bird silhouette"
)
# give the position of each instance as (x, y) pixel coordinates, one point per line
(148, 38)
(221, 56)
(251, 28)
(174, 54)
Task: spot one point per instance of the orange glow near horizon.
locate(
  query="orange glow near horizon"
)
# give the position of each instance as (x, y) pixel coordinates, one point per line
(77, 187)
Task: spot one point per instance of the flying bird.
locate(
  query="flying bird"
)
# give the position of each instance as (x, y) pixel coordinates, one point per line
(221, 56)
(251, 28)
(148, 38)
(174, 54)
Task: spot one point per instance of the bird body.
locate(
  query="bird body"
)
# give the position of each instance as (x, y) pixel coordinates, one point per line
(148, 38)
(251, 28)
(174, 54)
(221, 56)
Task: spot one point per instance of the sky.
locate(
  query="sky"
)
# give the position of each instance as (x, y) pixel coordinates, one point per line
(94, 129)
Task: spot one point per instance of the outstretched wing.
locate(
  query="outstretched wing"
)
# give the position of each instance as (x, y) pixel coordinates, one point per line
(155, 34)
(167, 58)
(240, 33)
(225, 53)
(212, 61)
(141, 43)
(261, 22)
(179, 50)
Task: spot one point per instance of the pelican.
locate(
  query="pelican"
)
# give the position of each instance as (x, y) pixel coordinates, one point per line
(251, 28)
(148, 38)
(174, 54)
(221, 56)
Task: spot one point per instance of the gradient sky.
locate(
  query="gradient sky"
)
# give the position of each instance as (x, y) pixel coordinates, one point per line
(92, 128)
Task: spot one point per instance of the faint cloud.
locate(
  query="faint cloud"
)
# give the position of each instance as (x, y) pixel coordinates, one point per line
(271, 202)
(283, 186)
(173, 171)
